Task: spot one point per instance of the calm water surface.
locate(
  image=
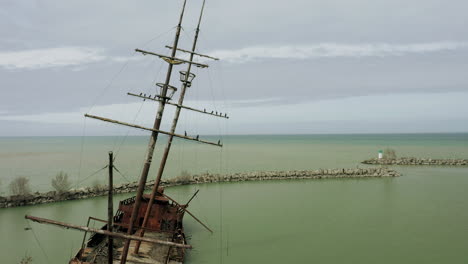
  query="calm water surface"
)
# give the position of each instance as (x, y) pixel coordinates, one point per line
(421, 217)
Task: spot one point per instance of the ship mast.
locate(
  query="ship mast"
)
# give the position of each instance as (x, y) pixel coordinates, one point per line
(185, 84)
(152, 141)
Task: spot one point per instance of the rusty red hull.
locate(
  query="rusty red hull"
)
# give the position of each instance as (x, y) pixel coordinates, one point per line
(165, 223)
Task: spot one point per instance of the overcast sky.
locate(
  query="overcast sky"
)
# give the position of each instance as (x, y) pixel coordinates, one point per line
(297, 66)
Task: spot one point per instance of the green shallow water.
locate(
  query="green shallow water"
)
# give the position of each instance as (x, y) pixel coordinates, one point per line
(421, 217)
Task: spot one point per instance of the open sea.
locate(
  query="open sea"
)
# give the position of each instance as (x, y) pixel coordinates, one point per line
(420, 217)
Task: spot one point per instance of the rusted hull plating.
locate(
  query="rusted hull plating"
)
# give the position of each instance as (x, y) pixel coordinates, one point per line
(165, 223)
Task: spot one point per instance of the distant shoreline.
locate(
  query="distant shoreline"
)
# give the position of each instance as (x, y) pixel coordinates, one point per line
(417, 161)
(89, 192)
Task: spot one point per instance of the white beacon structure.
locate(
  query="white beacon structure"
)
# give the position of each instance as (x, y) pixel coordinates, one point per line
(380, 154)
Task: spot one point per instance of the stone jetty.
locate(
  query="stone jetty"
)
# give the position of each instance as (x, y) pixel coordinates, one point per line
(418, 161)
(88, 192)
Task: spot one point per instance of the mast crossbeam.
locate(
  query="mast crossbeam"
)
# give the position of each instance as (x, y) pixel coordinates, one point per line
(194, 53)
(105, 232)
(154, 130)
(172, 60)
(158, 99)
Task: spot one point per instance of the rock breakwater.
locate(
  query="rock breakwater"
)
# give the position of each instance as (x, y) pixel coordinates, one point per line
(418, 161)
(88, 192)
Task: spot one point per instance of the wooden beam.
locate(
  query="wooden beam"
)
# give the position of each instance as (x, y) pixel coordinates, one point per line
(173, 58)
(191, 52)
(151, 129)
(184, 208)
(105, 232)
(181, 106)
(191, 198)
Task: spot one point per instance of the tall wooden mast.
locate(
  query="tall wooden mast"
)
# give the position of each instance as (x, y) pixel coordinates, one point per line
(185, 83)
(152, 141)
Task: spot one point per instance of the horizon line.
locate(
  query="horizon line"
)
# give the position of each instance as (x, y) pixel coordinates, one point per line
(260, 134)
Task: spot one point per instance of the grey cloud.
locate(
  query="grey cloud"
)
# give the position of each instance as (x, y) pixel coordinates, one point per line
(333, 50)
(49, 58)
(34, 59)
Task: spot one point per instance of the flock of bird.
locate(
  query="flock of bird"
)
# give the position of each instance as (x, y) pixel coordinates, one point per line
(204, 110)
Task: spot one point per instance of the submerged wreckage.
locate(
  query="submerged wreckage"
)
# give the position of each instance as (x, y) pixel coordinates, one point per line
(149, 226)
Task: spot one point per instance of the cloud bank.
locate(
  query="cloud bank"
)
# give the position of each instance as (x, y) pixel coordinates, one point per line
(49, 57)
(331, 50)
(73, 56)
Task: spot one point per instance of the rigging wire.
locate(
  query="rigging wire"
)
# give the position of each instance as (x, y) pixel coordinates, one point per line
(210, 84)
(225, 132)
(214, 103)
(81, 151)
(197, 118)
(182, 143)
(123, 67)
(221, 158)
(110, 83)
(124, 139)
(221, 217)
(96, 172)
(188, 37)
(121, 174)
(220, 185)
(226, 123)
(150, 66)
(224, 152)
(38, 242)
(158, 36)
(136, 115)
